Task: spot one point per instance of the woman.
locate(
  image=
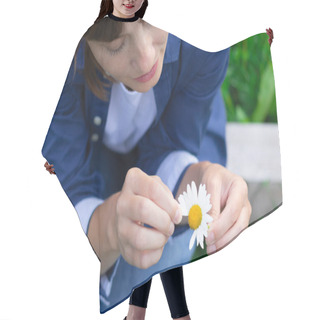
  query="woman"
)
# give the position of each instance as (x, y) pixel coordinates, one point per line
(125, 9)
(136, 106)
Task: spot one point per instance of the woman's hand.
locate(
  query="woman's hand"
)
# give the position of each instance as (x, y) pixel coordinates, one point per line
(119, 224)
(231, 209)
(144, 200)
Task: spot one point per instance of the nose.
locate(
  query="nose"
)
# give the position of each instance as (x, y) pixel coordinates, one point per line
(143, 56)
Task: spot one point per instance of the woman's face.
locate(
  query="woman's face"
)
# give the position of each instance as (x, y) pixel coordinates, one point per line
(135, 58)
(126, 8)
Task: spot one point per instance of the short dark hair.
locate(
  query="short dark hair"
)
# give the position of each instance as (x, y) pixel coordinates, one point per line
(104, 30)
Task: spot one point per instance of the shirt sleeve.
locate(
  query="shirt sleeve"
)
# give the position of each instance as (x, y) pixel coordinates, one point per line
(85, 209)
(173, 166)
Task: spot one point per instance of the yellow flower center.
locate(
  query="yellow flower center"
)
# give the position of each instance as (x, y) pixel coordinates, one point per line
(195, 217)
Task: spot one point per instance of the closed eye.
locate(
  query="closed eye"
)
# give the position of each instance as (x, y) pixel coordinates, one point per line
(115, 46)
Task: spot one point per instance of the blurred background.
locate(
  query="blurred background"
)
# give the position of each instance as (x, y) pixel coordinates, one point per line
(252, 129)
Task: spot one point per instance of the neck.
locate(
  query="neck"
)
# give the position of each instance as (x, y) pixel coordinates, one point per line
(121, 15)
(123, 18)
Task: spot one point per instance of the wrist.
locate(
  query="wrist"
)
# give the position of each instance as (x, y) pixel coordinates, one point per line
(107, 236)
(102, 228)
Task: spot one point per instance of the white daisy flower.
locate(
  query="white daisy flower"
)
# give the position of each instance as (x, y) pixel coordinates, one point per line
(195, 206)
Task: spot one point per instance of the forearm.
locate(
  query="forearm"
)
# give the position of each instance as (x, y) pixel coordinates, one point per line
(102, 232)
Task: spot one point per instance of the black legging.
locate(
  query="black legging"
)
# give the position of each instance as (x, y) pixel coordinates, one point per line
(172, 281)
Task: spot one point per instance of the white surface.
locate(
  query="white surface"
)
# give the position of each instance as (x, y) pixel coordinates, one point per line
(253, 151)
(48, 269)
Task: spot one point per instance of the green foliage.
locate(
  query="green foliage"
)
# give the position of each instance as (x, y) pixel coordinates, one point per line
(248, 88)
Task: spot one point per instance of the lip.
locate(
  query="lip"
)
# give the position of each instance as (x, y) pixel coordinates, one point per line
(149, 75)
(129, 6)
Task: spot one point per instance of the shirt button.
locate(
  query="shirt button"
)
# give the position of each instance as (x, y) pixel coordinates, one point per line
(97, 120)
(95, 137)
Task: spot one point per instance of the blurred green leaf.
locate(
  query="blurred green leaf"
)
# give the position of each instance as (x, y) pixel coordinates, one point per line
(265, 95)
(248, 89)
(241, 115)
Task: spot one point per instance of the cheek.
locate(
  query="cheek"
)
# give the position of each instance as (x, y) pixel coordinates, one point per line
(117, 4)
(117, 68)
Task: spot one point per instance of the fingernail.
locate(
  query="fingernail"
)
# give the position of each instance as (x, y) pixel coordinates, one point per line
(211, 249)
(210, 238)
(178, 216)
(171, 230)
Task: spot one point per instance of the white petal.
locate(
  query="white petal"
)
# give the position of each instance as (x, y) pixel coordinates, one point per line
(190, 196)
(188, 204)
(201, 242)
(203, 227)
(185, 212)
(193, 187)
(199, 236)
(194, 192)
(200, 192)
(181, 199)
(193, 237)
(203, 192)
(189, 193)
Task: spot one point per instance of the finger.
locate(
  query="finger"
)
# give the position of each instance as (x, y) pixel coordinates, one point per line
(141, 184)
(133, 254)
(147, 212)
(231, 212)
(214, 189)
(241, 224)
(145, 259)
(166, 188)
(143, 238)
